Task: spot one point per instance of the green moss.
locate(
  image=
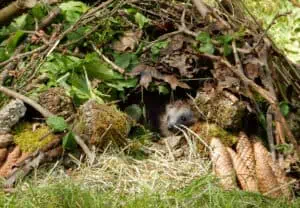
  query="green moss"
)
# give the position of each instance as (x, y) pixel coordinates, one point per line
(207, 131)
(29, 140)
(103, 124)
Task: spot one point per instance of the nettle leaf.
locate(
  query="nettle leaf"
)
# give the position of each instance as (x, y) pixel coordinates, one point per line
(284, 108)
(141, 20)
(69, 142)
(72, 10)
(58, 64)
(57, 123)
(207, 48)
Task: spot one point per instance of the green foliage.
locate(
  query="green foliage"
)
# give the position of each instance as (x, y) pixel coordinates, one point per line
(126, 60)
(225, 40)
(284, 108)
(72, 10)
(141, 20)
(206, 45)
(69, 142)
(203, 192)
(285, 31)
(156, 47)
(57, 124)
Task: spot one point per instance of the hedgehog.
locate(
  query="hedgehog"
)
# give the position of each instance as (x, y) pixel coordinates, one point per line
(177, 113)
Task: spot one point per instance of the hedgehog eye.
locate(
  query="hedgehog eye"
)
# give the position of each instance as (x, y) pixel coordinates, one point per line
(183, 118)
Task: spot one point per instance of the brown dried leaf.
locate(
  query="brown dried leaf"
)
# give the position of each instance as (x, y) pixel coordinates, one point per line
(281, 177)
(10, 162)
(251, 71)
(51, 154)
(246, 178)
(267, 182)
(149, 72)
(222, 164)
(24, 156)
(245, 150)
(128, 41)
(174, 82)
(3, 154)
(5, 140)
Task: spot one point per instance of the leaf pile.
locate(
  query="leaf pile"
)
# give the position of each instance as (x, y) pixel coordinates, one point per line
(253, 166)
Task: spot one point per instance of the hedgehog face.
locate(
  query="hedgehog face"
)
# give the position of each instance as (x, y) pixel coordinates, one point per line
(179, 115)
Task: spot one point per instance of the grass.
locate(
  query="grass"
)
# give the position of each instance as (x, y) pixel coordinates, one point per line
(202, 192)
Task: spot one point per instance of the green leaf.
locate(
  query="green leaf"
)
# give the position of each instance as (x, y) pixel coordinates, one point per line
(14, 40)
(57, 123)
(155, 49)
(224, 39)
(262, 120)
(3, 54)
(38, 11)
(207, 48)
(19, 22)
(72, 10)
(69, 142)
(141, 20)
(163, 90)
(203, 37)
(99, 69)
(121, 84)
(284, 108)
(227, 49)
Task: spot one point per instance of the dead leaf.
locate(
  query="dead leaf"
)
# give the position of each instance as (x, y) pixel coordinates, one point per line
(267, 182)
(149, 72)
(174, 82)
(128, 41)
(11, 160)
(182, 62)
(5, 140)
(222, 164)
(246, 177)
(251, 71)
(3, 154)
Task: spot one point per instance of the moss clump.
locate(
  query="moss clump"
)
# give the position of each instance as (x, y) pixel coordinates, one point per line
(29, 140)
(207, 131)
(220, 110)
(101, 124)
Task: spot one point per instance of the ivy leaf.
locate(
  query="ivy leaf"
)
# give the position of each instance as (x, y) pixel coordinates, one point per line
(57, 123)
(141, 20)
(69, 142)
(284, 108)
